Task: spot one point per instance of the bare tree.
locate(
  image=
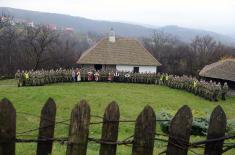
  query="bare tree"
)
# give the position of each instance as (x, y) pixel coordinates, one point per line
(8, 47)
(25, 48)
(179, 58)
(203, 47)
(37, 41)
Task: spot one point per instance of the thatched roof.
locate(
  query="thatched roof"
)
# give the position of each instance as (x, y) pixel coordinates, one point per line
(224, 69)
(123, 51)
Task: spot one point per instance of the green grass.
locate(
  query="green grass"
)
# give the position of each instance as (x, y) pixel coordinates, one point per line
(131, 99)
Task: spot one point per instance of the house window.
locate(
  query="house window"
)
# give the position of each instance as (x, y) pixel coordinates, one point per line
(136, 69)
(98, 67)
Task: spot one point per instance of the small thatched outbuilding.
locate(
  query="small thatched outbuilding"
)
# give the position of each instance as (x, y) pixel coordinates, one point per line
(221, 71)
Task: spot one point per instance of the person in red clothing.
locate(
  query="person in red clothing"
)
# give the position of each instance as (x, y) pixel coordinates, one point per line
(110, 77)
(90, 76)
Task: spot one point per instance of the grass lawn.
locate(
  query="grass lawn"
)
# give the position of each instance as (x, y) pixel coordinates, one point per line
(131, 99)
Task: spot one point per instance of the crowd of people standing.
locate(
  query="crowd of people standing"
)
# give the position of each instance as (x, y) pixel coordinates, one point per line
(76, 75)
(208, 90)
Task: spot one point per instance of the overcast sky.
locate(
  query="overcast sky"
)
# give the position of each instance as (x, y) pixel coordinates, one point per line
(214, 15)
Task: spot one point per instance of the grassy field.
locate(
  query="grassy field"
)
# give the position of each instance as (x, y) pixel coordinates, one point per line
(131, 99)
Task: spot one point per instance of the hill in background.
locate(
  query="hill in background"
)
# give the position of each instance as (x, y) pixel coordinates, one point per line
(84, 25)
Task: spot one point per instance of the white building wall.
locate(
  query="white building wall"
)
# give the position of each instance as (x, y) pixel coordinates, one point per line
(142, 69)
(151, 69)
(124, 68)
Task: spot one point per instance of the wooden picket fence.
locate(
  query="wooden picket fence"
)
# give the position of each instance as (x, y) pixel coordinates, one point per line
(142, 141)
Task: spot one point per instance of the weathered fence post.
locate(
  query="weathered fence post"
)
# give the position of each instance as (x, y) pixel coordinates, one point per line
(79, 129)
(179, 132)
(216, 129)
(46, 128)
(7, 128)
(145, 129)
(110, 129)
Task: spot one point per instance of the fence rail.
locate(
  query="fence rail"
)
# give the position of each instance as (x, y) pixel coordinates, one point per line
(142, 141)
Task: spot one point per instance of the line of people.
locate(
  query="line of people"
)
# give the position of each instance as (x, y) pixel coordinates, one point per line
(208, 90)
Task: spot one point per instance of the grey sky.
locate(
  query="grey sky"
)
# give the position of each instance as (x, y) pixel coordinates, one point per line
(214, 15)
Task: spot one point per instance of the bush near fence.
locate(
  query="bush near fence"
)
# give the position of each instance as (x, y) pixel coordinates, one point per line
(199, 125)
(142, 140)
(209, 90)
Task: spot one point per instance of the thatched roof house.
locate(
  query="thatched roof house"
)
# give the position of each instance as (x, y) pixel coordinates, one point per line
(119, 54)
(223, 70)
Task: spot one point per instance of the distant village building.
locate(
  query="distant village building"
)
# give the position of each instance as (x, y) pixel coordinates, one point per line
(118, 53)
(3, 18)
(52, 27)
(7, 19)
(68, 29)
(12, 22)
(221, 71)
(90, 41)
(30, 23)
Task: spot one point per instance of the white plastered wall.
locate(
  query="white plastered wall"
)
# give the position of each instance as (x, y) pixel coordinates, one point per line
(142, 69)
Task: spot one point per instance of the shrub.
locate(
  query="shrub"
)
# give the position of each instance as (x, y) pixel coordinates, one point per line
(230, 127)
(199, 125)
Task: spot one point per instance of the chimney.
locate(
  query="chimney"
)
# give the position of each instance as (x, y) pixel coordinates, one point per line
(112, 36)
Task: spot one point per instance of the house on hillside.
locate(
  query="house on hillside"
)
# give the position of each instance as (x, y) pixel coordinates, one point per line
(118, 53)
(221, 71)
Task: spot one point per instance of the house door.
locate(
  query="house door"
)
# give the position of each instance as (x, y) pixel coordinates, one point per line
(136, 69)
(98, 67)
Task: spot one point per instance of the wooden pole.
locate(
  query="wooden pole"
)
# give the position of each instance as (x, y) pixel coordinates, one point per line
(7, 127)
(217, 128)
(110, 129)
(179, 132)
(79, 129)
(47, 126)
(145, 129)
